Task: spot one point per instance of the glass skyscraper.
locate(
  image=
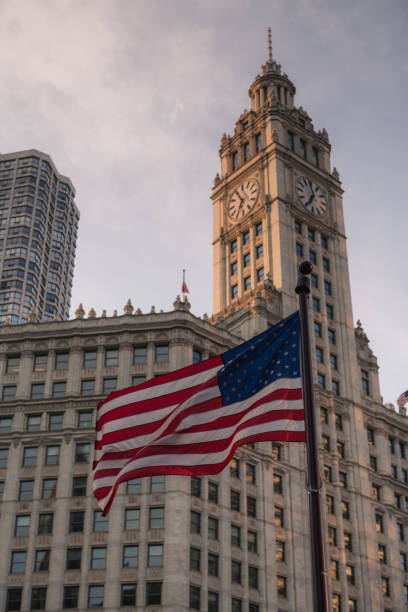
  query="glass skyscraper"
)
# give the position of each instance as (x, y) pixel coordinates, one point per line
(38, 234)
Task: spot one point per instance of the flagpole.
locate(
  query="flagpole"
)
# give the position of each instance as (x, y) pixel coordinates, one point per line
(313, 478)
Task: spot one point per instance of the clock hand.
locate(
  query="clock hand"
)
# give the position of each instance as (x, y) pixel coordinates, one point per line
(310, 199)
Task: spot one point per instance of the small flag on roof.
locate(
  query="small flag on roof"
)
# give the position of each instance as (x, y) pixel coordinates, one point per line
(402, 399)
(184, 288)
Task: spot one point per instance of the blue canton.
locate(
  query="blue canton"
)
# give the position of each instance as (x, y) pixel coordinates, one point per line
(267, 357)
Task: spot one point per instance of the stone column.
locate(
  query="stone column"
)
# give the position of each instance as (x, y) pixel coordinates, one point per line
(125, 362)
(99, 369)
(26, 369)
(49, 372)
(74, 371)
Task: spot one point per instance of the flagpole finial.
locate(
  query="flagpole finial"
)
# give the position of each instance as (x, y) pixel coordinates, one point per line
(303, 284)
(269, 45)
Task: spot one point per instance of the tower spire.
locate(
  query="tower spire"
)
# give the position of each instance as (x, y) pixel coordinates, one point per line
(269, 45)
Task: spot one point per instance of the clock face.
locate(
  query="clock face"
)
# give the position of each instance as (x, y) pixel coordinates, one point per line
(311, 195)
(243, 199)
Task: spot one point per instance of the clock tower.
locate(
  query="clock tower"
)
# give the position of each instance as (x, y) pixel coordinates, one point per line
(276, 203)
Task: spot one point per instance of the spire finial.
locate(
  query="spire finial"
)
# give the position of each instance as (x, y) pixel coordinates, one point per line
(269, 45)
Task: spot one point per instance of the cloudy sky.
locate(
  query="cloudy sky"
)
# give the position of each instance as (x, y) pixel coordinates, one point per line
(130, 98)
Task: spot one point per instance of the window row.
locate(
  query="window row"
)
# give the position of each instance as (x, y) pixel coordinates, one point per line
(245, 237)
(84, 420)
(70, 599)
(246, 260)
(111, 358)
(324, 418)
(303, 148)
(312, 257)
(331, 334)
(311, 234)
(260, 275)
(248, 148)
(213, 601)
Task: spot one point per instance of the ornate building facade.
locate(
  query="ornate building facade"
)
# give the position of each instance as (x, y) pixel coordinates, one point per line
(38, 233)
(237, 541)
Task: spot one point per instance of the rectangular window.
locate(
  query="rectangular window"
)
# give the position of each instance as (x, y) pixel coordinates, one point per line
(302, 148)
(329, 311)
(345, 509)
(298, 227)
(40, 363)
(324, 415)
(87, 387)
(153, 593)
(334, 569)
(291, 141)
(341, 449)
(333, 362)
(33, 422)
(234, 291)
(246, 151)
(258, 229)
(38, 598)
(84, 419)
(45, 523)
(321, 381)
(319, 355)
(195, 559)
(236, 605)
(213, 564)
(52, 455)
(348, 542)
(213, 599)
(315, 156)
(138, 380)
(157, 484)
(61, 361)
(79, 486)
(74, 558)
(327, 287)
(245, 237)
(18, 562)
(133, 486)
(326, 443)
(276, 451)
(250, 473)
(26, 488)
(277, 484)
(37, 390)
(162, 353)
(336, 387)
(212, 528)
(195, 522)
(14, 599)
(195, 485)
(400, 532)
(332, 336)
(76, 522)
(327, 473)
(156, 517)
(281, 586)
(111, 357)
(299, 249)
(382, 554)
(109, 384)
(55, 421)
(234, 468)
(130, 556)
(259, 251)
(257, 142)
(314, 281)
(317, 329)
(403, 562)
(82, 452)
(236, 536)
(132, 518)
(278, 516)
(70, 597)
(235, 500)
(280, 551)
(95, 596)
(251, 506)
(140, 354)
(247, 283)
(316, 304)
(330, 504)
(42, 560)
(311, 234)
(326, 264)
(212, 492)
(155, 555)
(98, 558)
(332, 536)
(260, 275)
(49, 487)
(253, 577)
(234, 268)
(195, 597)
(252, 541)
(234, 159)
(379, 523)
(246, 260)
(233, 246)
(100, 522)
(343, 479)
(313, 258)
(89, 359)
(13, 365)
(9, 393)
(236, 572)
(402, 450)
(30, 456)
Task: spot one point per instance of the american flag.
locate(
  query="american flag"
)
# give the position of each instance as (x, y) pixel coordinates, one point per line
(190, 421)
(402, 399)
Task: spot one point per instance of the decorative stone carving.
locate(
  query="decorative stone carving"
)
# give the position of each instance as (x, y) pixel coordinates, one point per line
(153, 310)
(217, 180)
(92, 314)
(335, 174)
(80, 312)
(32, 316)
(104, 314)
(128, 308)
(115, 313)
(138, 312)
(177, 304)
